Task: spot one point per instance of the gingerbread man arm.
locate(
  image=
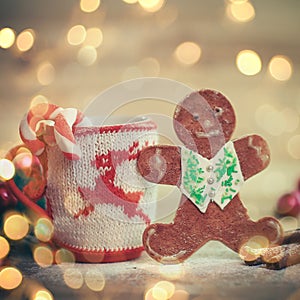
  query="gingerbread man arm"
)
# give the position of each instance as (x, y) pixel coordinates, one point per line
(161, 164)
(253, 153)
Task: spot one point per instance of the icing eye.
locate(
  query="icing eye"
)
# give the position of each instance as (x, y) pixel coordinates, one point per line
(196, 117)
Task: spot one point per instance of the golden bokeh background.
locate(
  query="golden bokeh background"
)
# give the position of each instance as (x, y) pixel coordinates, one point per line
(67, 52)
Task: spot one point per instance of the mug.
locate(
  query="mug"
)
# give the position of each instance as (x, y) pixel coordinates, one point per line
(100, 204)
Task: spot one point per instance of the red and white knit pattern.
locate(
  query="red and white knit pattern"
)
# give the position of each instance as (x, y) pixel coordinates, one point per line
(100, 204)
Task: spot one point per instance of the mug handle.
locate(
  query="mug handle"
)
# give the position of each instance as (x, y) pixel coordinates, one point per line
(26, 201)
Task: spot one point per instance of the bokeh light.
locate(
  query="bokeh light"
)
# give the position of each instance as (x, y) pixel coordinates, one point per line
(248, 62)
(43, 256)
(64, 256)
(159, 293)
(25, 40)
(293, 146)
(94, 37)
(89, 6)
(149, 66)
(273, 121)
(7, 37)
(23, 160)
(38, 99)
(180, 295)
(130, 1)
(45, 73)
(162, 290)
(167, 286)
(295, 295)
(7, 169)
(76, 35)
(149, 295)
(188, 53)
(276, 122)
(280, 68)
(291, 118)
(273, 183)
(39, 110)
(43, 295)
(73, 278)
(43, 230)
(68, 203)
(95, 280)
(87, 56)
(10, 278)
(4, 247)
(237, 1)
(151, 5)
(166, 16)
(131, 72)
(289, 223)
(240, 11)
(15, 226)
(172, 272)
(253, 248)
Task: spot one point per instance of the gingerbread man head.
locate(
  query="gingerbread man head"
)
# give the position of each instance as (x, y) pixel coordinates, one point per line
(204, 121)
(209, 170)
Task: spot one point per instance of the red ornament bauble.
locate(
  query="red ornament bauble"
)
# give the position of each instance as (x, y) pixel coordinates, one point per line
(289, 204)
(32, 169)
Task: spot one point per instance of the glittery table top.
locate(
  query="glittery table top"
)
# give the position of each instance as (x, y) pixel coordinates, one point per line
(214, 272)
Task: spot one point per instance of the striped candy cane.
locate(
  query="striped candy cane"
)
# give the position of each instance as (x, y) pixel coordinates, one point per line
(60, 132)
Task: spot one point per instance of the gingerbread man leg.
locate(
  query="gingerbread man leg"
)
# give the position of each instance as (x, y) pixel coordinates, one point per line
(241, 229)
(175, 242)
(191, 229)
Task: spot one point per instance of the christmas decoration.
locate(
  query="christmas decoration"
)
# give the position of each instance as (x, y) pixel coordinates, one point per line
(289, 203)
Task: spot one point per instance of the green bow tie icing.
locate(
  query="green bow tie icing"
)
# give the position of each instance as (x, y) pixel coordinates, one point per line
(218, 179)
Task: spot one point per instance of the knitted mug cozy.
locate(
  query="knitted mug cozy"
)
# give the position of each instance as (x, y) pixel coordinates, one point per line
(98, 201)
(99, 204)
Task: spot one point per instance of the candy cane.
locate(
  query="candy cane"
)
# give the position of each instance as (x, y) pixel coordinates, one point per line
(63, 121)
(63, 132)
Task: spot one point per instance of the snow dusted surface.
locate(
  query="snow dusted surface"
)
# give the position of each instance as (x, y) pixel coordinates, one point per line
(214, 272)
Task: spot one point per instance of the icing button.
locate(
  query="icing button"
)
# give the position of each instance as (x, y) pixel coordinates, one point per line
(209, 168)
(211, 194)
(210, 180)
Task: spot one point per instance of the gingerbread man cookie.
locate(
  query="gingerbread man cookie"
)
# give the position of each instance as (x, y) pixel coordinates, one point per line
(209, 170)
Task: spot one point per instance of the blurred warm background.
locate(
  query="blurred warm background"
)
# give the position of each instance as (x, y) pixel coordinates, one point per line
(67, 52)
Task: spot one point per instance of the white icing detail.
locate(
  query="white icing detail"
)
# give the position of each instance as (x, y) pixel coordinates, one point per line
(275, 225)
(171, 259)
(212, 133)
(207, 123)
(177, 110)
(263, 157)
